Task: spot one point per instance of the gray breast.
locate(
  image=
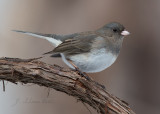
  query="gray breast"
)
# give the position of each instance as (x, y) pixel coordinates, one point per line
(95, 61)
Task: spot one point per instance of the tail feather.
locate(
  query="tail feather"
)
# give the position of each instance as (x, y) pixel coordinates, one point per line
(49, 37)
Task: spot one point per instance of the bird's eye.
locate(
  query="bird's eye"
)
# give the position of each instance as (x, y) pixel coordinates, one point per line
(115, 30)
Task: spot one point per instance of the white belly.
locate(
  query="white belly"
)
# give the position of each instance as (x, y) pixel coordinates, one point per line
(96, 61)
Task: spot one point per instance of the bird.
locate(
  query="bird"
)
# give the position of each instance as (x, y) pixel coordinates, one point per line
(90, 51)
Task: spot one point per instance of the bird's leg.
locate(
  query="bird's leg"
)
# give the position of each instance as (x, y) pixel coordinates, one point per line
(83, 74)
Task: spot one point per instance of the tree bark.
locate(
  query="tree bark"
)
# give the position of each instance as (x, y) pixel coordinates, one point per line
(61, 79)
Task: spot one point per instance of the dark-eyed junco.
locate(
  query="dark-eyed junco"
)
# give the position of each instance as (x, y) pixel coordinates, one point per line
(91, 51)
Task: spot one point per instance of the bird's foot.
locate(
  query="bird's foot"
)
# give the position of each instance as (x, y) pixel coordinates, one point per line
(102, 86)
(83, 74)
(80, 72)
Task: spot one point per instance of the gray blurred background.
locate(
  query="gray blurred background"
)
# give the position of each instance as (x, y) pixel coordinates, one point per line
(134, 77)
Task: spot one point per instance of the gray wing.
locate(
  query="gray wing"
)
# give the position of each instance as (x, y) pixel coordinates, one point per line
(79, 44)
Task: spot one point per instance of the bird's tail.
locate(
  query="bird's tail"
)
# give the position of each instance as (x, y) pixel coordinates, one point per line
(52, 38)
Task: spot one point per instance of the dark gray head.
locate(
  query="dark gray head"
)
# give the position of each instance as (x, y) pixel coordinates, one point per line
(113, 29)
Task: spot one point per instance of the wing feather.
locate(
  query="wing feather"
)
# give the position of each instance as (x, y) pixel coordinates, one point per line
(79, 44)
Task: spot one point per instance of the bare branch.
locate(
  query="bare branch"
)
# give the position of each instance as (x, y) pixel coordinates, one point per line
(65, 80)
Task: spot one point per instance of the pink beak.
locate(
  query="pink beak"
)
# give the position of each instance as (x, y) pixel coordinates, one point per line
(125, 33)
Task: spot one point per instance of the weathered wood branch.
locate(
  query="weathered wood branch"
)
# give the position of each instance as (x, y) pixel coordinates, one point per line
(65, 80)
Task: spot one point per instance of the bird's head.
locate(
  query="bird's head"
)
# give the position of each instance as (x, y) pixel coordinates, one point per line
(113, 29)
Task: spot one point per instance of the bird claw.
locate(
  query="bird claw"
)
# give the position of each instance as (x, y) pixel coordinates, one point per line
(102, 86)
(88, 78)
(82, 74)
